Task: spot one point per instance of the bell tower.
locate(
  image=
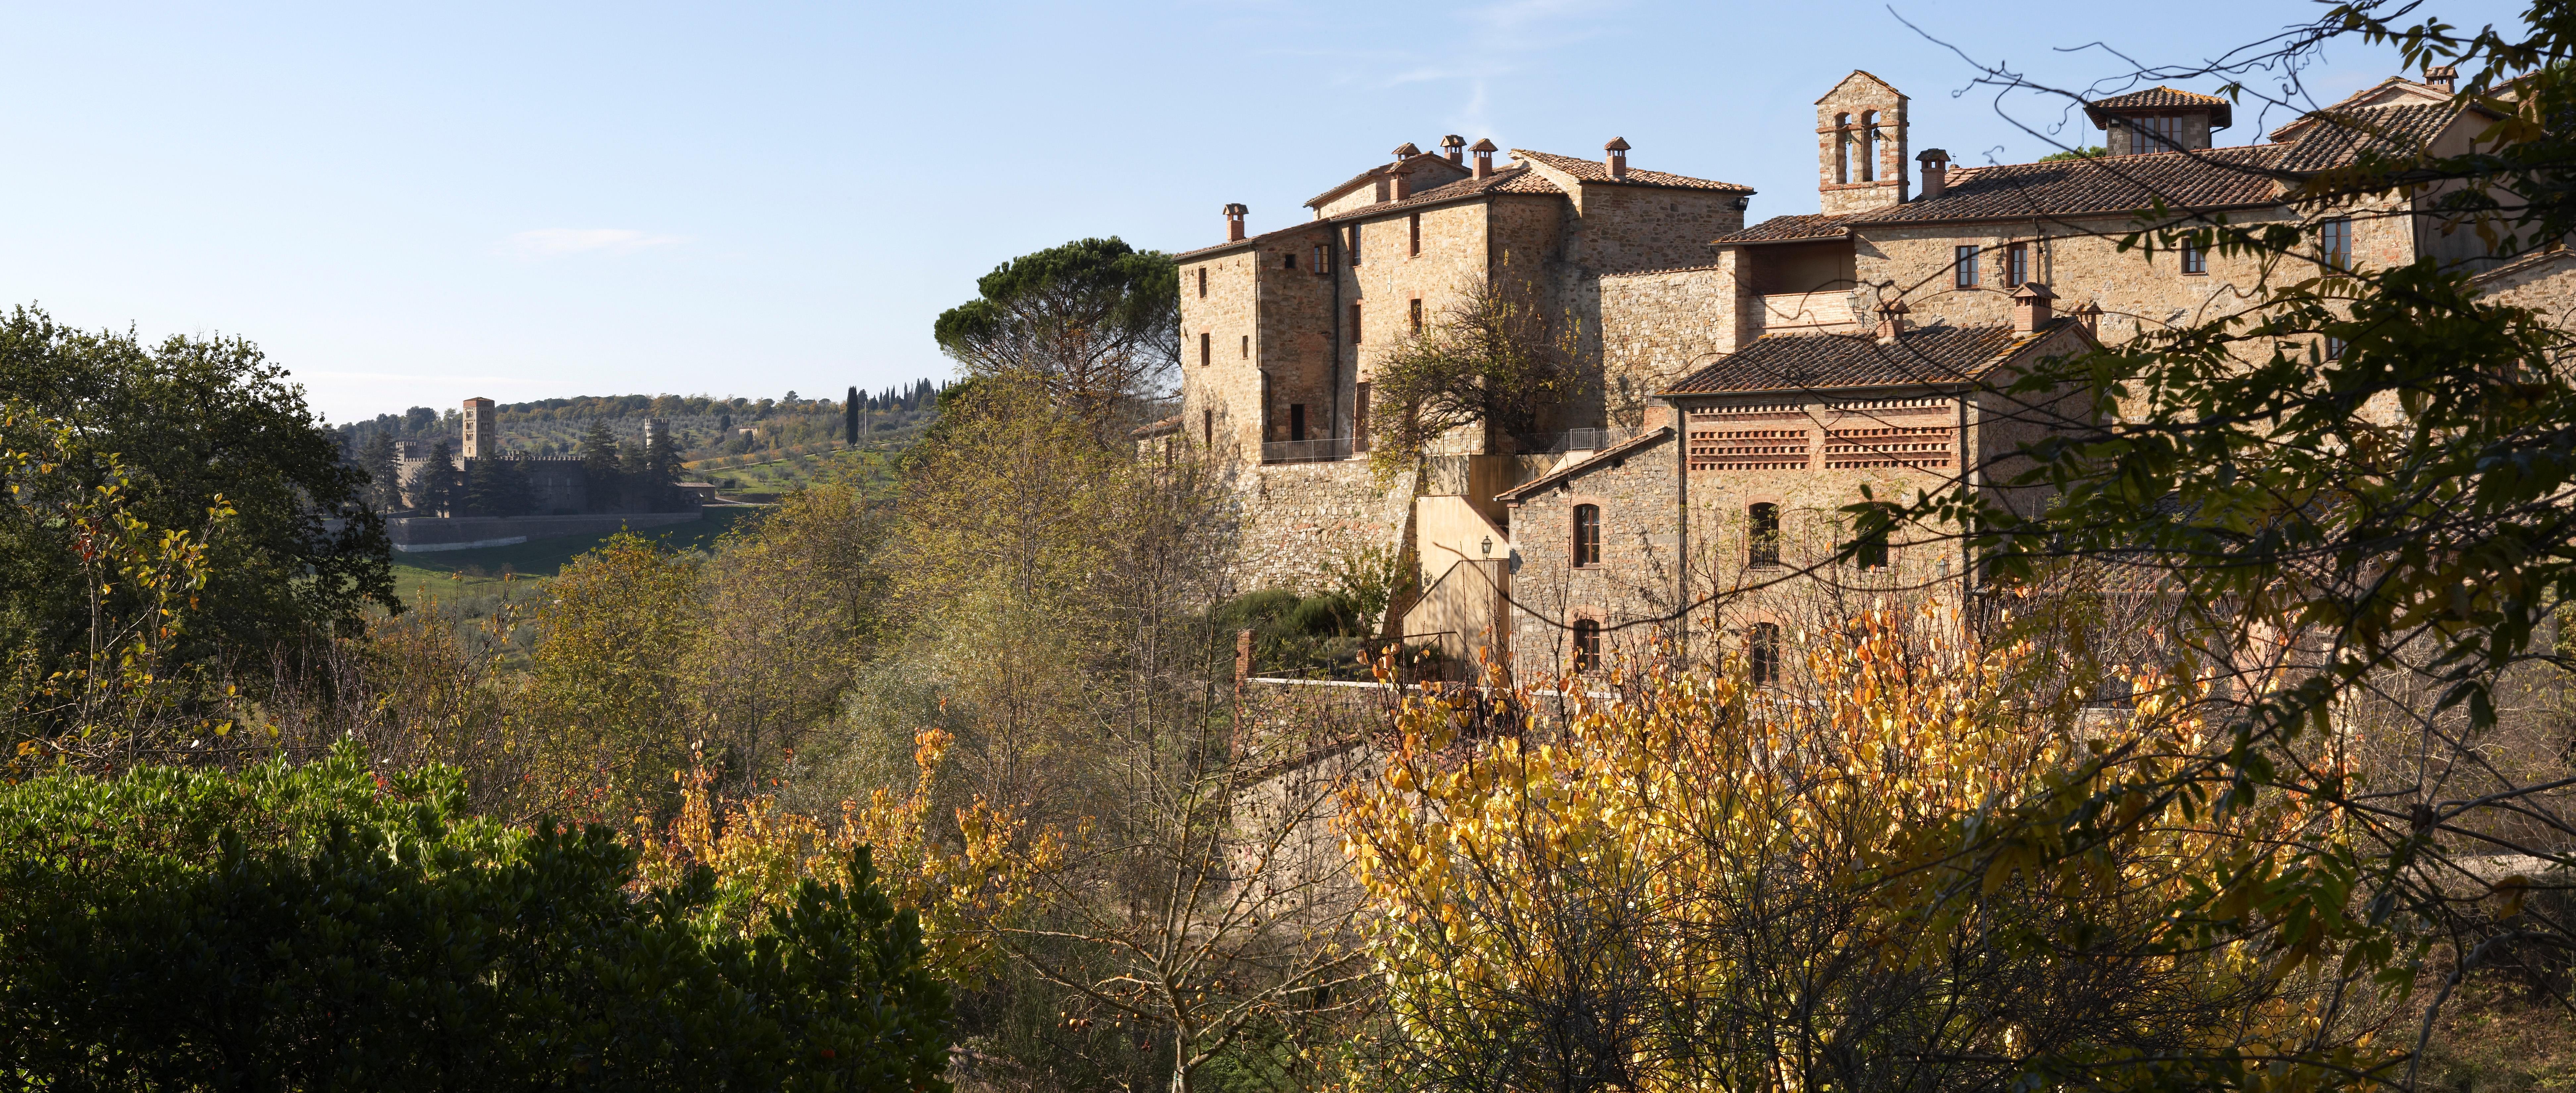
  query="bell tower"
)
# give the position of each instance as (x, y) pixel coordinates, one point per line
(482, 436)
(1860, 145)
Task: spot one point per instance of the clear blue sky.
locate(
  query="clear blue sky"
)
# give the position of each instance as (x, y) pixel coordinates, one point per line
(419, 203)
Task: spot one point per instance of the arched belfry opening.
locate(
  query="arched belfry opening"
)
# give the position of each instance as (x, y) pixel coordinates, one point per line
(1861, 141)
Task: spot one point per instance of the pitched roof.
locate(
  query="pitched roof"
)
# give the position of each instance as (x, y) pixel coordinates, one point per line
(1814, 362)
(2205, 179)
(1593, 170)
(2404, 129)
(1506, 180)
(1781, 229)
(1379, 171)
(2393, 91)
(1620, 450)
(2221, 111)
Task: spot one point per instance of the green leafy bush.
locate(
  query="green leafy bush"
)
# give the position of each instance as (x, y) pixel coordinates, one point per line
(320, 927)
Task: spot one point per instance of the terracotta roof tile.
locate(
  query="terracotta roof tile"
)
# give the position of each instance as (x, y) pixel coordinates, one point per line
(2103, 185)
(1621, 450)
(1593, 170)
(1378, 171)
(2405, 129)
(1784, 228)
(2221, 111)
(1801, 362)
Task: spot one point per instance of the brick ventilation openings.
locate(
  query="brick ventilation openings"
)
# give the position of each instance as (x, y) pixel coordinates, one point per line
(1922, 447)
(1749, 438)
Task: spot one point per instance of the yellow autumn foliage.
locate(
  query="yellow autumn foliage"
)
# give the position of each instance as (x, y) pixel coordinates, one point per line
(1872, 877)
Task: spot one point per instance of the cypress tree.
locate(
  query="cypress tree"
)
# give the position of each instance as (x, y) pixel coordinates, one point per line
(850, 412)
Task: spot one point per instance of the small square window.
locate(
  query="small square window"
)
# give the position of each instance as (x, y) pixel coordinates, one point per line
(2194, 262)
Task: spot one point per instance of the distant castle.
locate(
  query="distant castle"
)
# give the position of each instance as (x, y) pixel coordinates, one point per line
(557, 485)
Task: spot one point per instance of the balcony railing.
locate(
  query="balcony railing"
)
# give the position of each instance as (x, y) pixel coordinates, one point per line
(1308, 451)
(1573, 440)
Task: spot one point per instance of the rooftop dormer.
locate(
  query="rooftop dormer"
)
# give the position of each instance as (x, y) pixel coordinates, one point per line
(2159, 119)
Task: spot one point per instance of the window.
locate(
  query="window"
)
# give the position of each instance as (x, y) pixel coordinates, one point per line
(2334, 243)
(1764, 521)
(1587, 645)
(1359, 417)
(1247, 347)
(1587, 535)
(1417, 316)
(1842, 147)
(1762, 651)
(1202, 282)
(1203, 349)
(1296, 421)
(1290, 260)
(1415, 226)
(2157, 133)
(1207, 428)
(2334, 348)
(1355, 245)
(1320, 265)
(2016, 265)
(1870, 550)
(2193, 261)
(1868, 140)
(1963, 263)
(1355, 322)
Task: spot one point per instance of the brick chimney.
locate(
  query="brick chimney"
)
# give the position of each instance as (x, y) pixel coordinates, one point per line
(2030, 307)
(1401, 185)
(1617, 159)
(1484, 149)
(2090, 315)
(1454, 147)
(1936, 172)
(1891, 320)
(1234, 215)
(2442, 76)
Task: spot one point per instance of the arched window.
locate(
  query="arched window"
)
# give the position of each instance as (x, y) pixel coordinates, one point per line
(1842, 147)
(1587, 535)
(1867, 138)
(1587, 645)
(1762, 651)
(1763, 522)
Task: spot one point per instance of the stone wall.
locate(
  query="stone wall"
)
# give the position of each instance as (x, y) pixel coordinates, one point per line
(1638, 580)
(1297, 521)
(1656, 327)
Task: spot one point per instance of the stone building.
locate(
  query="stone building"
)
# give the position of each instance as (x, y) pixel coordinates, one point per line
(1752, 379)
(557, 486)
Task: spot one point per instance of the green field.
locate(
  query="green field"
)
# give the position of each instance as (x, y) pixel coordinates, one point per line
(468, 580)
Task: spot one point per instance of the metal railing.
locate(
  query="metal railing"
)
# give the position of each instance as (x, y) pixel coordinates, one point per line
(1573, 440)
(1309, 451)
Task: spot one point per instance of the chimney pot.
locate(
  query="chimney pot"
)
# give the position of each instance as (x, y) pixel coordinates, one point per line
(1454, 147)
(1406, 151)
(1617, 157)
(1484, 149)
(1891, 319)
(1234, 215)
(2090, 316)
(2442, 76)
(1936, 172)
(2031, 307)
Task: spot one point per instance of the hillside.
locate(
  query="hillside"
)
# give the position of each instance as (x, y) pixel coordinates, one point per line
(747, 431)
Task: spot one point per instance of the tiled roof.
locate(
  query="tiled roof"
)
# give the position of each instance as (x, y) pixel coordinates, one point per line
(1801, 362)
(1372, 173)
(1620, 450)
(1165, 427)
(2400, 130)
(2208, 179)
(2221, 111)
(1784, 228)
(1251, 241)
(1593, 170)
(1506, 180)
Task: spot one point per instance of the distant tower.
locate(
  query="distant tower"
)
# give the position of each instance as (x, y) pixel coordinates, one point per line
(482, 435)
(1860, 145)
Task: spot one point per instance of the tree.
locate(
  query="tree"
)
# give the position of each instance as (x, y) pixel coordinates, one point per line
(191, 420)
(384, 473)
(1705, 883)
(608, 696)
(603, 475)
(850, 416)
(498, 487)
(434, 486)
(1095, 320)
(1491, 363)
(327, 927)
